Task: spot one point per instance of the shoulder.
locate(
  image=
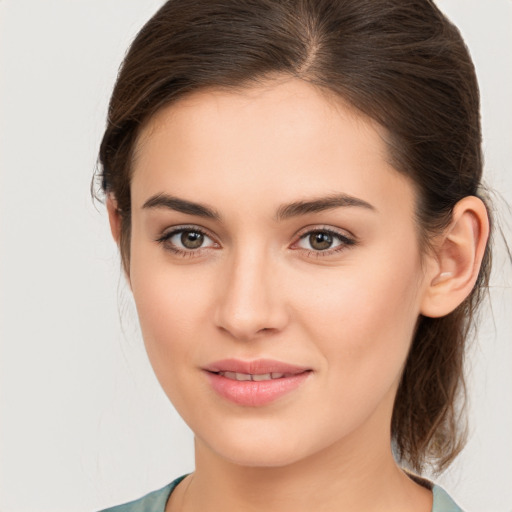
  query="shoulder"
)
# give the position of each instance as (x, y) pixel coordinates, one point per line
(153, 502)
(443, 502)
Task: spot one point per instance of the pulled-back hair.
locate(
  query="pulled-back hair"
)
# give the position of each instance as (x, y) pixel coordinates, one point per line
(403, 64)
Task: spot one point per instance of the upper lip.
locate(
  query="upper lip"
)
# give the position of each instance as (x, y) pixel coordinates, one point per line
(255, 367)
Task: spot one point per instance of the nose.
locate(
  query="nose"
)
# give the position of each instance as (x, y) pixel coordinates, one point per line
(251, 299)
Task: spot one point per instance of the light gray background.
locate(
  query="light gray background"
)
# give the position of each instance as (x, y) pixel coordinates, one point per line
(83, 422)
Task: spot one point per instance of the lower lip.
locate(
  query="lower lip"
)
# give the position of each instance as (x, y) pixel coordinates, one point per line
(255, 393)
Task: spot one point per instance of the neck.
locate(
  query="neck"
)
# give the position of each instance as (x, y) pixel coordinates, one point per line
(345, 476)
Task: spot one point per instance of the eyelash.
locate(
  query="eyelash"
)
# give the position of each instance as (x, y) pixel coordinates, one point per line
(184, 253)
(344, 240)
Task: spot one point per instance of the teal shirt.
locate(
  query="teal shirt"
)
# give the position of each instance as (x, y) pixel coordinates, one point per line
(155, 501)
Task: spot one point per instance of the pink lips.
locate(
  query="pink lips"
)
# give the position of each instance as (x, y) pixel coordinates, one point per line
(254, 383)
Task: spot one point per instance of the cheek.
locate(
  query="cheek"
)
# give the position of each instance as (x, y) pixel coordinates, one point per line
(172, 306)
(172, 318)
(363, 316)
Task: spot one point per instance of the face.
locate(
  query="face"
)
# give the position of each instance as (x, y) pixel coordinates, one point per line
(276, 270)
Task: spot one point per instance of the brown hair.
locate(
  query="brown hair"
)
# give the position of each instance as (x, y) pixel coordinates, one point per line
(401, 63)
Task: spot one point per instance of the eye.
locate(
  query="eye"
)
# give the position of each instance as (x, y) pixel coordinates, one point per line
(324, 241)
(189, 239)
(185, 241)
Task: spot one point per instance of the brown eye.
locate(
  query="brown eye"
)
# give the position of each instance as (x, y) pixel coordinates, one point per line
(191, 239)
(186, 241)
(324, 241)
(320, 241)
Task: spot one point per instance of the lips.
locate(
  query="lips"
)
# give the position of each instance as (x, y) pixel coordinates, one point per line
(254, 377)
(254, 383)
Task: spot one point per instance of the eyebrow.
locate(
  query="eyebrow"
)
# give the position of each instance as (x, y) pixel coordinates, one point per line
(321, 204)
(181, 205)
(284, 212)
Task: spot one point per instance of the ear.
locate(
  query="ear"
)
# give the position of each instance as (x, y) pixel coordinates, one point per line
(114, 217)
(456, 259)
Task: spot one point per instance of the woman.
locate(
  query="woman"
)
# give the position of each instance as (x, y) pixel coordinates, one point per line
(295, 191)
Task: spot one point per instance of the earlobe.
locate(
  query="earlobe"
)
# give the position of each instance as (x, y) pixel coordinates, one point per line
(114, 217)
(458, 256)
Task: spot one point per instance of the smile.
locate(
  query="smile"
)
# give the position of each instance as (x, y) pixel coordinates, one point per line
(253, 377)
(255, 383)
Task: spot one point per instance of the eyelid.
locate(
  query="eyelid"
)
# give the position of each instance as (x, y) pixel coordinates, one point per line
(347, 239)
(323, 228)
(168, 233)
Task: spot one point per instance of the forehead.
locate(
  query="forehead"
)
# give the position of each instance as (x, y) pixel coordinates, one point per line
(299, 106)
(284, 139)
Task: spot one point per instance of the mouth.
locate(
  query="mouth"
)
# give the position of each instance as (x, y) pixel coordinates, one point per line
(255, 383)
(258, 377)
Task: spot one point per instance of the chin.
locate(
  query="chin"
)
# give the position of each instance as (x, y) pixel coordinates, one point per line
(258, 458)
(257, 450)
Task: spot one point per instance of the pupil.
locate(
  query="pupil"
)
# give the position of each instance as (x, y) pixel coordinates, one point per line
(320, 241)
(192, 239)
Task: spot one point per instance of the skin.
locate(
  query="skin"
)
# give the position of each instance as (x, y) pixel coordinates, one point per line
(258, 288)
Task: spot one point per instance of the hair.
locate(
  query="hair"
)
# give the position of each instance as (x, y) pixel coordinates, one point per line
(404, 65)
